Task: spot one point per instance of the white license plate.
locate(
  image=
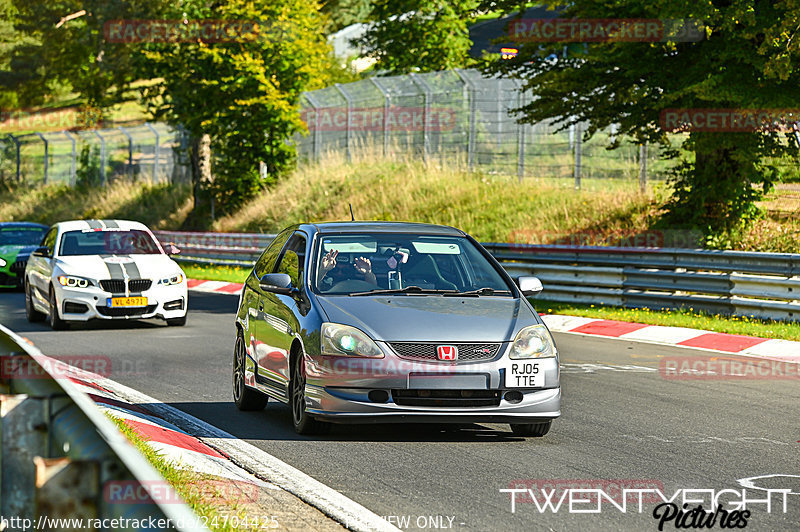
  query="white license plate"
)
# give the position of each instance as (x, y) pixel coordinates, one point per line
(524, 374)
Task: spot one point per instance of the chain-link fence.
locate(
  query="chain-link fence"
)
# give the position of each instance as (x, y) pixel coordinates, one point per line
(461, 115)
(153, 152)
(458, 116)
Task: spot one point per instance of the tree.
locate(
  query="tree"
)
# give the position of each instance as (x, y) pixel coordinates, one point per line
(418, 35)
(63, 43)
(243, 92)
(748, 59)
(343, 13)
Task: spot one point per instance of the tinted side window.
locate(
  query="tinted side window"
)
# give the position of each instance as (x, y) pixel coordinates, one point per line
(267, 260)
(49, 240)
(292, 262)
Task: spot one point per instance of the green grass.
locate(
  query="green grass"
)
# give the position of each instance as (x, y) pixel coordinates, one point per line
(490, 207)
(231, 274)
(187, 484)
(677, 318)
(158, 206)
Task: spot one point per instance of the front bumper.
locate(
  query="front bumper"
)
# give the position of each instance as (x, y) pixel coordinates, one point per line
(394, 389)
(83, 304)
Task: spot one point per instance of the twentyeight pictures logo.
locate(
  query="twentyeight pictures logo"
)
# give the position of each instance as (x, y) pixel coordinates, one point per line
(680, 508)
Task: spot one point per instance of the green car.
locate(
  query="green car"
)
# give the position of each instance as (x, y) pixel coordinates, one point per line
(17, 242)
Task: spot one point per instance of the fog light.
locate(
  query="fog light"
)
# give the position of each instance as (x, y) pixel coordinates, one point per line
(378, 396)
(513, 397)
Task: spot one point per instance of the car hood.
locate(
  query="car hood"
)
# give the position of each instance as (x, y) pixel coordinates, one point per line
(431, 318)
(112, 266)
(12, 251)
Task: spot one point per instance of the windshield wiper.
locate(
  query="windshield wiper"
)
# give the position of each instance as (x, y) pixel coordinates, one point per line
(413, 289)
(485, 291)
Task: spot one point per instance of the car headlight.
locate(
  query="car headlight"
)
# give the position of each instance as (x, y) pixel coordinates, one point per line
(74, 282)
(343, 340)
(169, 281)
(533, 342)
(3, 262)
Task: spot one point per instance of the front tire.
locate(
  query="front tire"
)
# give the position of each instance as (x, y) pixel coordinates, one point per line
(245, 398)
(177, 322)
(302, 420)
(56, 323)
(31, 313)
(536, 430)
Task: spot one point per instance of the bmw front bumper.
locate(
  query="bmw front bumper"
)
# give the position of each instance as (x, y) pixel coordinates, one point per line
(83, 304)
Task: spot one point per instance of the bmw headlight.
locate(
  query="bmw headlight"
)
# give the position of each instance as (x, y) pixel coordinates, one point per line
(343, 340)
(169, 281)
(2, 262)
(74, 282)
(533, 342)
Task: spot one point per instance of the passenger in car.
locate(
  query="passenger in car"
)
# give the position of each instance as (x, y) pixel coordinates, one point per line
(333, 271)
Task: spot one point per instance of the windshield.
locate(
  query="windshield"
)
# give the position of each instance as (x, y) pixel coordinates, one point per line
(365, 263)
(21, 236)
(93, 242)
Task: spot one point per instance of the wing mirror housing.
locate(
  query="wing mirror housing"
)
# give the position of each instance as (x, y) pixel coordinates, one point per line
(277, 283)
(41, 251)
(171, 249)
(529, 285)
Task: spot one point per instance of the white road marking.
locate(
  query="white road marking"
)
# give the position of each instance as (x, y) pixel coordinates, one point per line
(262, 464)
(568, 367)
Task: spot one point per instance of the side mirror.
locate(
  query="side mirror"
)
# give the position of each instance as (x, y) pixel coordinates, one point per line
(171, 249)
(529, 285)
(41, 251)
(277, 283)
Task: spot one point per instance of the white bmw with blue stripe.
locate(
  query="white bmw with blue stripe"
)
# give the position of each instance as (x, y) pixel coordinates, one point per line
(103, 269)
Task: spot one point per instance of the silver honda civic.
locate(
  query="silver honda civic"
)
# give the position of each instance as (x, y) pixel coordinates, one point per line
(364, 322)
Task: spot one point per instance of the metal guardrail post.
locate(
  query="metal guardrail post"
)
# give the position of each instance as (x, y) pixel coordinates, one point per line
(46, 154)
(473, 111)
(578, 155)
(73, 171)
(426, 103)
(643, 168)
(16, 142)
(103, 154)
(387, 103)
(313, 102)
(130, 150)
(349, 113)
(520, 134)
(156, 150)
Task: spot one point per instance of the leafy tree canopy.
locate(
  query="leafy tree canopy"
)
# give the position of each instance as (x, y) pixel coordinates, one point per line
(748, 59)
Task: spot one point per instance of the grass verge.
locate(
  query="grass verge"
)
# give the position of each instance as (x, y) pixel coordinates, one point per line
(195, 489)
(677, 318)
(231, 274)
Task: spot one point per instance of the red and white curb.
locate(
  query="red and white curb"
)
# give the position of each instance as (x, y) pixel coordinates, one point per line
(176, 436)
(735, 344)
(784, 350)
(219, 287)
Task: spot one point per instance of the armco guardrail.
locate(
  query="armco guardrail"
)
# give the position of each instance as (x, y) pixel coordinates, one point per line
(61, 458)
(236, 249)
(765, 285)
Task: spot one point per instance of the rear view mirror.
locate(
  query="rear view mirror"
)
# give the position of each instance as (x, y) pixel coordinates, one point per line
(529, 285)
(41, 251)
(277, 283)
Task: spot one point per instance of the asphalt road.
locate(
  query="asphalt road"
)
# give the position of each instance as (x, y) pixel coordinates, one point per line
(622, 420)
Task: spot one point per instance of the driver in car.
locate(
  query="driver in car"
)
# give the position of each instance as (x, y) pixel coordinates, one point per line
(337, 272)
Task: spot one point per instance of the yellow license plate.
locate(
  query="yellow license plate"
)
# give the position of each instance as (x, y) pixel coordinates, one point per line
(127, 302)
